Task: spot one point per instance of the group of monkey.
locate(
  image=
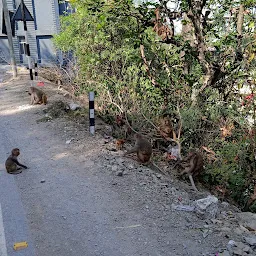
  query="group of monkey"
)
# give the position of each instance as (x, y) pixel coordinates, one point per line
(37, 96)
(191, 165)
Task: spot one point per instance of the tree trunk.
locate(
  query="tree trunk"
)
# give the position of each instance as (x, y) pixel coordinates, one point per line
(240, 21)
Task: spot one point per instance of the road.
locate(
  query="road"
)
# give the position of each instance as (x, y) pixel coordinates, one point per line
(72, 212)
(67, 204)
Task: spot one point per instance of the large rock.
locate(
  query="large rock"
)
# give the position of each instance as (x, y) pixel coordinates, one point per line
(248, 220)
(251, 240)
(207, 207)
(225, 253)
(73, 106)
(238, 248)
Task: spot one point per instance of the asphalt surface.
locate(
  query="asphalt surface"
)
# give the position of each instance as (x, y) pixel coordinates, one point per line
(59, 205)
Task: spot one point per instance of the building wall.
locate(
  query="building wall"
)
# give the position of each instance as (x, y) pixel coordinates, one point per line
(4, 50)
(47, 24)
(40, 32)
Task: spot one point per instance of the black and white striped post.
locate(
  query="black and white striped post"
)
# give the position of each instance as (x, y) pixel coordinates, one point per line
(27, 50)
(91, 113)
(36, 71)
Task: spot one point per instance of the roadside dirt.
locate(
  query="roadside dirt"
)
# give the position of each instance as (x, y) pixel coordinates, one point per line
(83, 198)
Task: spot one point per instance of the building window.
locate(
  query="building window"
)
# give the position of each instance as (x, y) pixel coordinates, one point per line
(65, 8)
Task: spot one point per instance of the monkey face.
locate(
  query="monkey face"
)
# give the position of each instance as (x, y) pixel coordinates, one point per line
(31, 89)
(15, 152)
(137, 136)
(192, 153)
(167, 130)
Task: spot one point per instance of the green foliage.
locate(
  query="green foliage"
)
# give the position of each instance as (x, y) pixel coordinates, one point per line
(106, 39)
(232, 169)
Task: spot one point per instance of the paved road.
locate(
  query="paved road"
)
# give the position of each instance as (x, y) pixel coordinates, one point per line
(14, 226)
(13, 222)
(74, 212)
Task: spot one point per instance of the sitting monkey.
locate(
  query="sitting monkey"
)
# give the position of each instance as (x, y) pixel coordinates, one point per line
(193, 164)
(166, 128)
(142, 147)
(37, 96)
(12, 162)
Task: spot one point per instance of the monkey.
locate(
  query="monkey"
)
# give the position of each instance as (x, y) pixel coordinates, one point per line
(164, 31)
(192, 165)
(166, 128)
(37, 96)
(123, 123)
(144, 151)
(119, 144)
(12, 162)
(142, 147)
(127, 130)
(120, 120)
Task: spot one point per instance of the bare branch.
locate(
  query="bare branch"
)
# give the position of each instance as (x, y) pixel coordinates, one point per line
(153, 81)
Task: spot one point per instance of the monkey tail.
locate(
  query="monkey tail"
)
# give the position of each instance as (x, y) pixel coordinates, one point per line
(192, 182)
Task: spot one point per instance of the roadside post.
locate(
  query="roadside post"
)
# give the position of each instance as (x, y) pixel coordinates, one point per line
(23, 14)
(36, 71)
(91, 113)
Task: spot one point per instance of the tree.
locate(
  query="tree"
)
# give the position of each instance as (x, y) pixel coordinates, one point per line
(139, 66)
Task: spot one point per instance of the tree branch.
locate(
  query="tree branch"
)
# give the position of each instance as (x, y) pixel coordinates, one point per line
(153, 81)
